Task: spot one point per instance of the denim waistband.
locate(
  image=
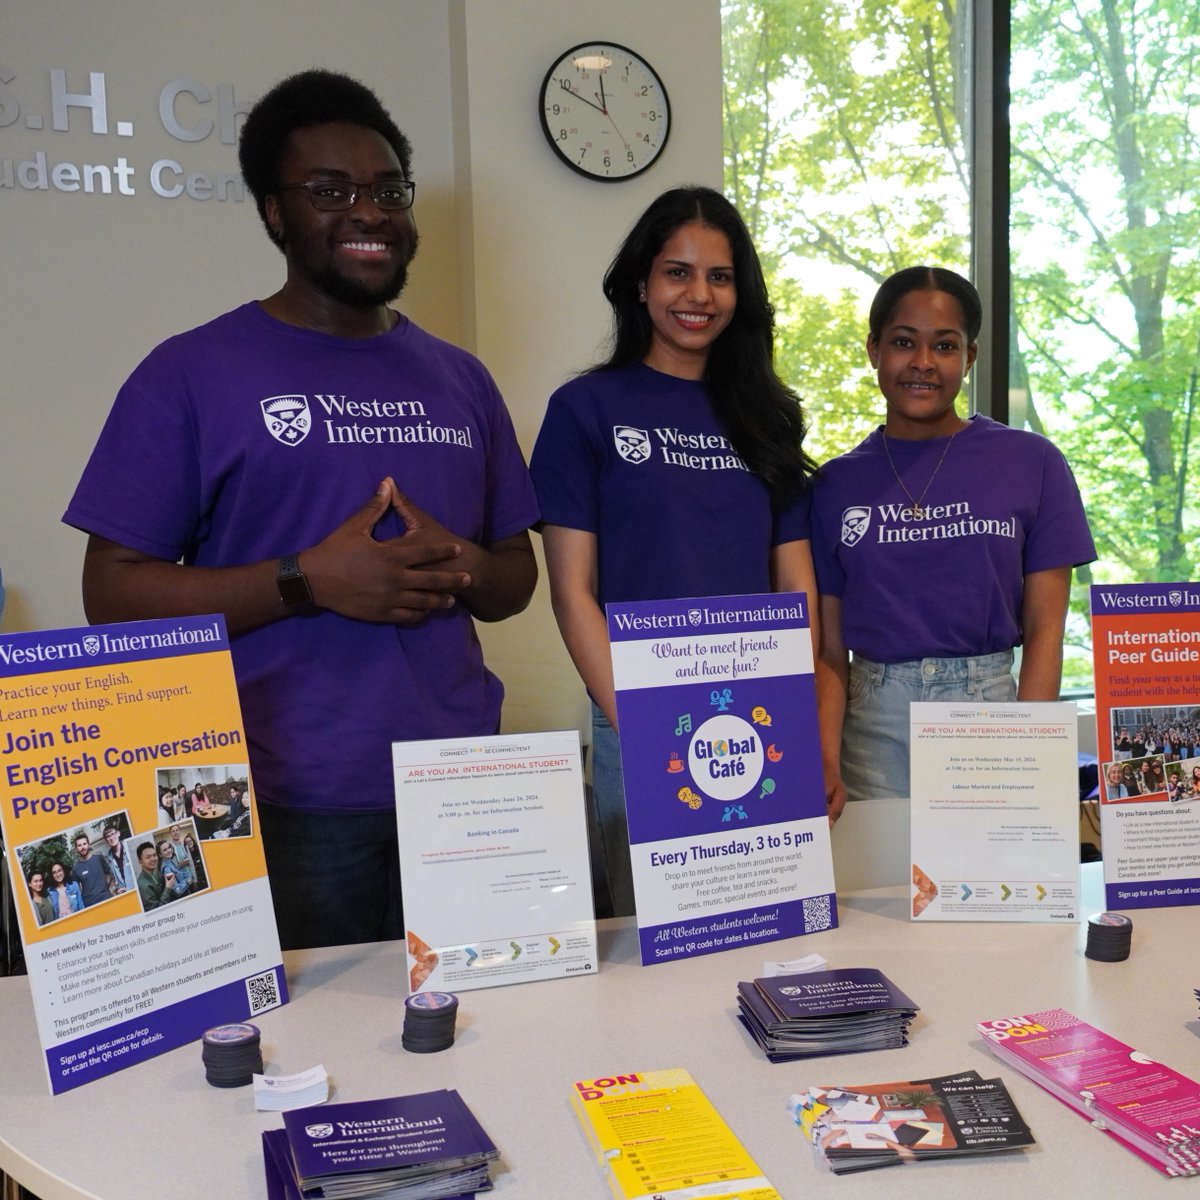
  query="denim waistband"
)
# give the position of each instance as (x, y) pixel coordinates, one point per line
(944, 670)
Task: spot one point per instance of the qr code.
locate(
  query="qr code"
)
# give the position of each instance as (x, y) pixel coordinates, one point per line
(817, 914)
(263, 992)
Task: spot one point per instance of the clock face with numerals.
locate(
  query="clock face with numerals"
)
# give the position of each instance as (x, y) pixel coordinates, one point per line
(605, 111)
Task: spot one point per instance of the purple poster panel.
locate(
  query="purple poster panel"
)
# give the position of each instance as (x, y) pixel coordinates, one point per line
(728, 832)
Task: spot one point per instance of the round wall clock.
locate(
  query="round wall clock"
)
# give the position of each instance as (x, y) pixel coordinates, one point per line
(605, 111)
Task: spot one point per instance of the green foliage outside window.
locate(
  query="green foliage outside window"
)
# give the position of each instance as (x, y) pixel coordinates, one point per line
(845, 131)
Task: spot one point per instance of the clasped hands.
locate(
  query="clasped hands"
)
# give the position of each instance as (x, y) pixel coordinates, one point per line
(397, 581)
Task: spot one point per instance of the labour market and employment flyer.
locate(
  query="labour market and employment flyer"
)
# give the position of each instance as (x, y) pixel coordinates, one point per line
(995, 811)
(1146, 644)
(132, 841)
(494, 860)
(728, 824)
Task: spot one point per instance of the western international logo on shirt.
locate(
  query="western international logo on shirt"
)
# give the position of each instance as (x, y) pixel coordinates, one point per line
(693, 451)
(344, 421)
(898, 523)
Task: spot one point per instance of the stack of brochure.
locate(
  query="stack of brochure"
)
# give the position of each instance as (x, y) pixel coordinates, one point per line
(412, 1147)
(873, 1125)
(655, 1133)
(1148, 1108)
(825, 1012)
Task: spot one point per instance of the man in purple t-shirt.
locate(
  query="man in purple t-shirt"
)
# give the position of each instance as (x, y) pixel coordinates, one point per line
(231, 477)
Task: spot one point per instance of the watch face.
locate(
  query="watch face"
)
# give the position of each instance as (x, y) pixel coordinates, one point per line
(605, 112)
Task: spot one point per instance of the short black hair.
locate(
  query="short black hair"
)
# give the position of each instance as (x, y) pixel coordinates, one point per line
(314, 97)
(926, 279)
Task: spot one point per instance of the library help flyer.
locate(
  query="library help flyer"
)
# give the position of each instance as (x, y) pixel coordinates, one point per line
(130, 836)
(1146, 640)
(728, 825)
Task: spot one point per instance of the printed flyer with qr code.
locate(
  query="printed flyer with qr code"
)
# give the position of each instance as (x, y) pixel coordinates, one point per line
(728, 825)
(130, 833)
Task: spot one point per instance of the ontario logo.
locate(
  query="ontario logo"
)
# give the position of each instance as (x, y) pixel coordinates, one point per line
(855, 522)
(287, 418)
(633, 444)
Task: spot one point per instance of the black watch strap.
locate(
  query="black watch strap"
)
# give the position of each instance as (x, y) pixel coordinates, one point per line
(293, 587)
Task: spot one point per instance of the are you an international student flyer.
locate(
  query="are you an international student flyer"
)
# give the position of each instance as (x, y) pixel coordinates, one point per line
(131, 838)
(1146, 639)
(728, 824)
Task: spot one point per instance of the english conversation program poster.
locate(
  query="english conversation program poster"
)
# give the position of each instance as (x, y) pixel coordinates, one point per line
(131, 735)
(1146, 645)
(728, 826)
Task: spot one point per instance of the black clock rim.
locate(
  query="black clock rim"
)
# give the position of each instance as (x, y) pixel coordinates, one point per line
(552, 142)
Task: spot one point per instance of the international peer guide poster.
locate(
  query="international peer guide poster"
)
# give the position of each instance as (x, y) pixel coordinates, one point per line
(132, 842)
(1146, 645)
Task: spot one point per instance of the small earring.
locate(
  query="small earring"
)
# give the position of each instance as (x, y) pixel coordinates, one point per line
(642, 293)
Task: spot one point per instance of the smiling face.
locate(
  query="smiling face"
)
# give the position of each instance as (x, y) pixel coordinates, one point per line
(148, 857)
(83, 847)
(691, 296)
(58, 874)
(921, 358)
(37, 883)
(355, 259)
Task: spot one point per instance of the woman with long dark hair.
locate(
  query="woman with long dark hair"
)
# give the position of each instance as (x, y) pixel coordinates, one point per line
(676, 466)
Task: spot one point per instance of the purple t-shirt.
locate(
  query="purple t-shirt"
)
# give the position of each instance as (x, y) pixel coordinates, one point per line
(248, 439)
(639, 459)
(1002, 505)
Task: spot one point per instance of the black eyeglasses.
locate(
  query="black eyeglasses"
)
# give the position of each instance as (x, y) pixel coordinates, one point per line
(337, 195)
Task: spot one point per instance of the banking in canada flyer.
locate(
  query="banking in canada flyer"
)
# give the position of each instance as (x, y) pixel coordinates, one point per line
(728, 826)
(1146, 643)
(131, 839)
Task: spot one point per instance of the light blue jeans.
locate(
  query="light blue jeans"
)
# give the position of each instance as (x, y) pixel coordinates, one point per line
(608, 796)
(875, 733)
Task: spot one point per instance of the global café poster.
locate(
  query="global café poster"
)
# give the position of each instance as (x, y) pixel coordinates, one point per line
(728, 826)
(1146, 645)
(130, 833)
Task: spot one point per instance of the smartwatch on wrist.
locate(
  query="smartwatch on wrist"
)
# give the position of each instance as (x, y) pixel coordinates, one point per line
(293, 586)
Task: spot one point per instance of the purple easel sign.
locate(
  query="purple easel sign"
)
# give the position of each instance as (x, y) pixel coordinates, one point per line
(728, 832)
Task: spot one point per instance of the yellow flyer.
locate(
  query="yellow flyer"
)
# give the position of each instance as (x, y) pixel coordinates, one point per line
(128, 823)
(655, 1134)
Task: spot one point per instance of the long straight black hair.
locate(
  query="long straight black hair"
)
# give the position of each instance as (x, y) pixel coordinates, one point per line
(761, 415)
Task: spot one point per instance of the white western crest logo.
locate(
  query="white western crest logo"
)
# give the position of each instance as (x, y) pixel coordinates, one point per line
(633, 444)
(855, 521)
(287, 418)
(322, 1130)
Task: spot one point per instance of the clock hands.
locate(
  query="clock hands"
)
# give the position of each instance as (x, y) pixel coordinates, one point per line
(580, 96)
(604, 109)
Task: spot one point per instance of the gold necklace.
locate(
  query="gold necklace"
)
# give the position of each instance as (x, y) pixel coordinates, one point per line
(917, 511)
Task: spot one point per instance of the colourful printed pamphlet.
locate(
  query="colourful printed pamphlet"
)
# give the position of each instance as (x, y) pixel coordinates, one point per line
(128, 818)
(1150, 1108)
(1146, 643)
(728, 823)
(864, 1127)
(655, 1133)
(825, 1012)
(430, 1142)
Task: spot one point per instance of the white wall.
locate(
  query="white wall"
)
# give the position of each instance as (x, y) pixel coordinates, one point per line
(513, 243)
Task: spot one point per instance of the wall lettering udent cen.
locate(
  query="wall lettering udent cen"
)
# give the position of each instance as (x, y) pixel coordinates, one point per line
(187, 110)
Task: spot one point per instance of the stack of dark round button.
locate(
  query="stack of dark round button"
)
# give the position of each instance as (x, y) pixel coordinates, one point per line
(429, 1022)
(1108, 937)
(232, 1054)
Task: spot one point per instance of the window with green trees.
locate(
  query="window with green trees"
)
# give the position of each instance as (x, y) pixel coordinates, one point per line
(848, 131)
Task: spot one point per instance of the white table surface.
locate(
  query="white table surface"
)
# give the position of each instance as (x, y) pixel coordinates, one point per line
(159, 1125)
